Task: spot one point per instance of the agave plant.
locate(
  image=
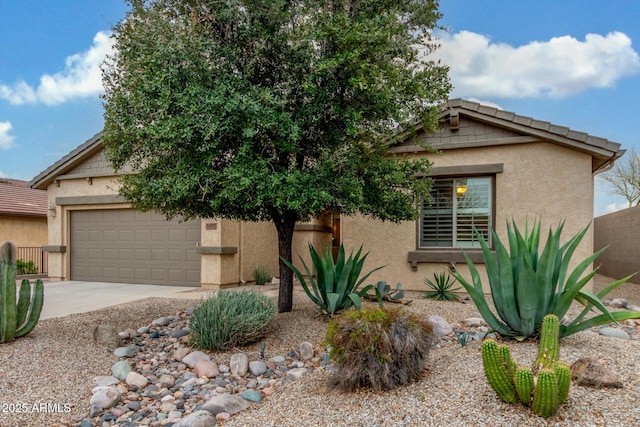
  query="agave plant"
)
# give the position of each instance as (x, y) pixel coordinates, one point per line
(525, 285)
(383, 292)
(441, 287)
(336, 286)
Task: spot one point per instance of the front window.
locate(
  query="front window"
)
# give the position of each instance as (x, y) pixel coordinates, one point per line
(458, 207)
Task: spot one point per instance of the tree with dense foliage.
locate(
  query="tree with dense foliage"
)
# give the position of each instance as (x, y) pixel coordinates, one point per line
(624, 178)
(272, 110)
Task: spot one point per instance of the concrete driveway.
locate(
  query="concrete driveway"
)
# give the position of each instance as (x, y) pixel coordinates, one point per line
(64, 298)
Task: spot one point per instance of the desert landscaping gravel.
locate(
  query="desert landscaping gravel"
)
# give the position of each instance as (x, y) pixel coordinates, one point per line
(50, 371)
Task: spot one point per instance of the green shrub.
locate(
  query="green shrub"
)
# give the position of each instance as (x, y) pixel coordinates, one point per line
(378, 348)
(525, 285)
(261, 275)
(335, 287)
(231, 318)
(441, 288)
(26, 267)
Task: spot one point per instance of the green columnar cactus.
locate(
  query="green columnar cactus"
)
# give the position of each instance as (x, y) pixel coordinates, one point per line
(563, 375)
(545, 397)
(549, 351)
(523, 380)
(513, 382)
(496, 371)
(505, 357)
(17, 319)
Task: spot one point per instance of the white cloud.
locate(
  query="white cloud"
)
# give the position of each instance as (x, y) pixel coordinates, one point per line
(487, 103)
(2, 175)
(614, 207)
(6, 140)
(80, 78)
(557, 68)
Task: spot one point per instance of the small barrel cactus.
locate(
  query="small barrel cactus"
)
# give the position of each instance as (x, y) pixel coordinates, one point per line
(17, 319)
(517, 383)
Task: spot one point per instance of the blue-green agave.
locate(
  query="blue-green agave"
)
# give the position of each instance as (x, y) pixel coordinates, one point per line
(336, 287)
(526, 285)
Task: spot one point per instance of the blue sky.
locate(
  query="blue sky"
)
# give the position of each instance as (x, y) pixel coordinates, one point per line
(572, 62)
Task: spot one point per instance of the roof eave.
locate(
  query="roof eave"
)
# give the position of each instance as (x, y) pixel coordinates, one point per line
(68, 162)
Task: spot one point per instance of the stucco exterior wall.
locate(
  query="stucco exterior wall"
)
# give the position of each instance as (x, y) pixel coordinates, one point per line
(538, 181)
(620, 231)
(244, 246)
(23, 231)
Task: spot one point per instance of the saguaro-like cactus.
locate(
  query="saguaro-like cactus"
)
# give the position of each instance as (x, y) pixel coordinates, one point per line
(516, 383)
(17, 319)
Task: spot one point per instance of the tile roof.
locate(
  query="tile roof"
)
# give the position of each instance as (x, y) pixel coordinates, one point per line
(18, 199)
(560, 134)
(603, 151)
(68, 162)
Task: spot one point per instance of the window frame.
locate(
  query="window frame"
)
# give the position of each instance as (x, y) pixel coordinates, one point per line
(454, 254)
(455, 218)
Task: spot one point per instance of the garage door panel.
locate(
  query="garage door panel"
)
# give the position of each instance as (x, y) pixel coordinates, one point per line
(124, 254)
(141, 236)
(110, 216)
(128, 246)
(109, 254)
(175, 255)
(94, 254)
(125, 235)
(158, 255)
(193, 235)
(141, 254)
(110, 235)
(159, 235)
(176, 235)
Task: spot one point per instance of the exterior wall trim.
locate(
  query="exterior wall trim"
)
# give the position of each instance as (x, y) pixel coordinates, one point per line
(84, 175)
(55, 248)
(489, 169)
(443, 256)
(217, 250)
(313, 227)
(90, 200)
(467, 144)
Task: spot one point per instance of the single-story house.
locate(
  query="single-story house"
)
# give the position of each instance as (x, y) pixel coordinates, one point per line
(23, 213)
(491, 166)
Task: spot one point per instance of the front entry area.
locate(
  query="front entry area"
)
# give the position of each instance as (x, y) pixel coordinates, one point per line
(129, 246)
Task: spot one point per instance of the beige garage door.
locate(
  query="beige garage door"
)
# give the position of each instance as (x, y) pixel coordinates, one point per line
(128, 246)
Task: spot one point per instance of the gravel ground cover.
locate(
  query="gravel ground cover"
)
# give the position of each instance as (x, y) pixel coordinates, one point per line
(53, 366)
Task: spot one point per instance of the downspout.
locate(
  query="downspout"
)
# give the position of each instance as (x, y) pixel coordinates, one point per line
(240, 252)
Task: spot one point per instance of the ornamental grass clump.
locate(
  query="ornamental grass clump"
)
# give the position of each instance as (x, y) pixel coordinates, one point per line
(261, 275)
(378, 348)
(527, 285)
(231, 318)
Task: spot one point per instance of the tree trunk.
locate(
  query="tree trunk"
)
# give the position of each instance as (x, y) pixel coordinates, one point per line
(285, 229)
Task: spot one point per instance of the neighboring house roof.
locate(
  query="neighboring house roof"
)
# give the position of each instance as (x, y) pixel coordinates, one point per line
(17, 199)
(604, 152)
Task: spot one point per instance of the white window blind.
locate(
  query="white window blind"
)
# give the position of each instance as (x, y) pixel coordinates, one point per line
(458, 206)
